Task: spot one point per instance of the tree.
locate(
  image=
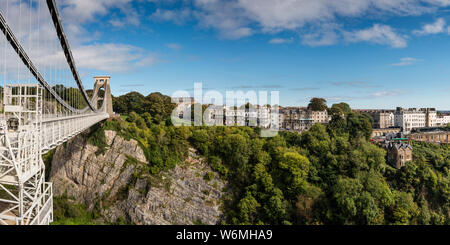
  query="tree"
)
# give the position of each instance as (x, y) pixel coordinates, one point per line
(235, 151)
(317, 104)
(159, 106)
(127, 103)
(368, 210)
(359, 125)
(276, 207)
(148, 119)
(337, 125)
(341, 109)
(404, 209)
(200, 140)
(132, 117)
(306, 204)
(346, 193)
(295, 168)
(263, 178)
(248, 209)
(376, 185)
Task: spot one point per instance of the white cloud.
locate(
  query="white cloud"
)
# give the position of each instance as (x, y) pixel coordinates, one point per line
(131, 18)
(360, 84)
(174, 46)
(149, 60)
(281, 40)
(292, 14)
(379, 34)
(178, 17)
(234, 19)
(375, 95)
(407, 61)
(388, 93)
(80, 11)
(112, 57)
(339, 98)
(320, 37)
(439, 2)
(433, 28)
(225, 16)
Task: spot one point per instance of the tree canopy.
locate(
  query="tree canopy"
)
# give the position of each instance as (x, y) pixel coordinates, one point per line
(317, 104)
(159, 107)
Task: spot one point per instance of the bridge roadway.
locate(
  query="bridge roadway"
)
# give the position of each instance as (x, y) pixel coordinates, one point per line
(59, 129)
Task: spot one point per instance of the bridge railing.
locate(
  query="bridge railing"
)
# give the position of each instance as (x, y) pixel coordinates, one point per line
(59, 130)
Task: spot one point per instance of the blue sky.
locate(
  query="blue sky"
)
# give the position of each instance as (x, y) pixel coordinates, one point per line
(370, 54)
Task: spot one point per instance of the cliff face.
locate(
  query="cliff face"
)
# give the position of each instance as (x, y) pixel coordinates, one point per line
(113, 182)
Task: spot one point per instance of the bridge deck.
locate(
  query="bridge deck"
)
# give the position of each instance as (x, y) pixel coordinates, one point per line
(57, 130)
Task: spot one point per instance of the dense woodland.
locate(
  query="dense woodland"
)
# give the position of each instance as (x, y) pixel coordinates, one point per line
(331, 174)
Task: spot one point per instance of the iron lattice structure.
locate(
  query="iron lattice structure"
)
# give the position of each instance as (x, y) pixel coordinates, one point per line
(26, 197)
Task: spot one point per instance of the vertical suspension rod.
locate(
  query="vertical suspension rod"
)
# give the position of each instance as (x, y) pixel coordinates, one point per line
(67, 51)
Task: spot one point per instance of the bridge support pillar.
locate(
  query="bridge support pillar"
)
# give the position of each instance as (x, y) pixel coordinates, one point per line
(103, 82)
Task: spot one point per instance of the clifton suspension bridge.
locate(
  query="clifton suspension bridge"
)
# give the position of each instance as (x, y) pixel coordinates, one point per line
(43, 104)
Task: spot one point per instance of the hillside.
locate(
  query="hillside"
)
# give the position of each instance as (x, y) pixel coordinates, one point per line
(116, 188)
(329, 175)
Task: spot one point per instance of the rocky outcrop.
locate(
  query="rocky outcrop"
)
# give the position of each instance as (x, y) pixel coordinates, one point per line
(116, 183)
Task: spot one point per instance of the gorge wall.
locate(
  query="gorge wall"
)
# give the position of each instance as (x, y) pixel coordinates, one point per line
(113, 182)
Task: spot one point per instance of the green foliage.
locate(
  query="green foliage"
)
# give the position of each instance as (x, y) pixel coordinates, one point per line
(308, 205)
(341, 109)
(67, 212)
(163, 146)
(426, 181)
(317, 104)
(96, 137)
(404, 209)
(48, 158)
(75, 99)
(208, 176)
(329, 175)
(127, 103)
(154, 108)
(159, 106)
(359, 125)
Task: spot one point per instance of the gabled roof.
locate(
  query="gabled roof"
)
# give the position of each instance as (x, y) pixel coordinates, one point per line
(399, 145)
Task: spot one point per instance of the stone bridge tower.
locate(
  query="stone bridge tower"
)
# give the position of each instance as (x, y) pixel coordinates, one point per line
(103, 82)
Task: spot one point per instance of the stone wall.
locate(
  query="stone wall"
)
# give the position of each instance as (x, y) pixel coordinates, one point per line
(438, 137)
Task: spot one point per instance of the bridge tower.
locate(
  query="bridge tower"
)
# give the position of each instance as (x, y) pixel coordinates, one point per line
(25, 197)
(103, 82)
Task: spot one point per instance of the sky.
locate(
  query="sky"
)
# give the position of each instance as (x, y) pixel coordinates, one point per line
(367, 53)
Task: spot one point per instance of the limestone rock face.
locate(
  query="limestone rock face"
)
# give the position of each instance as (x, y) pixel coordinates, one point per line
(108, 180)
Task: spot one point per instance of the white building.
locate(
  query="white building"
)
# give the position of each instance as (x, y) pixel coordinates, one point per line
(320, 116)
(264, 117)
(414, 118)
(183, 106)
(442, 121)
(409, 119)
